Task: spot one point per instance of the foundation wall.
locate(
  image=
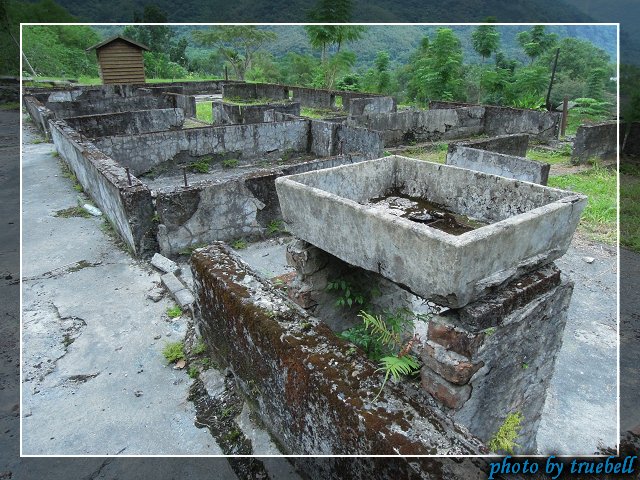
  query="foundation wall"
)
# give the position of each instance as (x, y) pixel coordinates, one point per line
(227, 113)
(423, 125)
(599, 140)
(493, 163)
(129, 208)
(314, 394)
(40, 115)
(143, 152)
(515, 145)
(127, 123)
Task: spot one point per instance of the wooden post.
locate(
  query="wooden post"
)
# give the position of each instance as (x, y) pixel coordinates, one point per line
(226, 73)
(565, 112)
(553, 74)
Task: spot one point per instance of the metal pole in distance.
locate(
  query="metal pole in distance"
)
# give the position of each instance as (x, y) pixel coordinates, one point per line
(565, 112)
(184, 174)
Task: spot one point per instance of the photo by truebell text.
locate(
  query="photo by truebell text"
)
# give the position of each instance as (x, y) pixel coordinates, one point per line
(553, 468)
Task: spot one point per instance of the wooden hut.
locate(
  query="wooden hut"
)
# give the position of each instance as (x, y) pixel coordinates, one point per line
(120, 60)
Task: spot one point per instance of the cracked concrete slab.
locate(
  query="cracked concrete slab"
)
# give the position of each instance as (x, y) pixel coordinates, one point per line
(92, 339)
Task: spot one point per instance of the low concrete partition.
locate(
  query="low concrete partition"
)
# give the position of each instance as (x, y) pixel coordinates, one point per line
(143, 152)
(483, 362)
(414, 125)
(226, 209)
(329, 138)
(128, 123)
(524, 225)
(40, 115)
(313, 393)
(502, 156)
(310, 97)
(128, 207)
(371, 105)
(598, 140)
(225, 113)
(540, 124)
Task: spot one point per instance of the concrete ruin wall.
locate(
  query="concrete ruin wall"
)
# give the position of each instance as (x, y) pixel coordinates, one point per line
(314, 394)
(128, 123)
(224, 113)
(497, 356)
(414, 125)
(225, 210)
(597, 140)
(542, 125)
(308, 97)
(129, 208)
(143, 152)
(39, 114)
(329, 138)
(371, 105)
(502, 156)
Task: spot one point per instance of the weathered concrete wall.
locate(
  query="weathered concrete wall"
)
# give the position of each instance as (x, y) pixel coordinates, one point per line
(95, 106)
(497, 356)
(598, 140)
(329, 138)
(143, 152)
(543, 125)
(38, 113)
(313, 395)
(255, 91)
(186, 103)
(530, 225)
(127, 123)
(227, 209)
(228, 113)
(508, 144)
(128, 207)
(371, 105)
(509, 166)
(415, 125)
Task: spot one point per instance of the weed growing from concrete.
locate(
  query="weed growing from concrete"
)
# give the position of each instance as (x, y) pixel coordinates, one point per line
(504, 440)
(173, 352)
(193, 372)
(239, 244)
(55, 154)
(230, 163)
(199, 348)
(72, 212)
(201, 166)
(275, 227)
(490, 331)
(174, 312)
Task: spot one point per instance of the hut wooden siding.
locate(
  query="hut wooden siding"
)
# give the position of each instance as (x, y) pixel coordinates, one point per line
(120, 61)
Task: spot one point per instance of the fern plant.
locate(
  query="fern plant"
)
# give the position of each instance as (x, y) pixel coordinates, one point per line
(396, 366)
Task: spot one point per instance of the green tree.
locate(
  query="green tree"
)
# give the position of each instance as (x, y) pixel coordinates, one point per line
(238, 44)
(437, 70)
(536, 41)
(486, 40)
(595, 83)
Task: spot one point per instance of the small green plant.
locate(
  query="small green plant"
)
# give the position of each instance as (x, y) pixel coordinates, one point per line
(201, 166)
(396, 366)
(504, 440)
(239, 244)
(233, 436)
(155, 218)
(199, 347)
(55, 154)
(173, 352)
(230, 163)
(386, 153)
(174, 312)
(73, 212)
(490, 331)
(525, 365)
(275, 227)
(205, 363)
(193, 372)
(348, 295)
(226, 412)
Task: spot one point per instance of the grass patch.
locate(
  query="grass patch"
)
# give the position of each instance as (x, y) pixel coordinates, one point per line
(598, 220)
(204, 112)
(193, 372)
(10, 106)
(275, 227)
(251, 101)
(504, 440)
(431, 153)
(72, 212)
(174, 312)
(201, 166)
(553, 157)
(200, 347)
(239, 244)
(318, 113)
(630, 207)
(173, 352)
(230, 163)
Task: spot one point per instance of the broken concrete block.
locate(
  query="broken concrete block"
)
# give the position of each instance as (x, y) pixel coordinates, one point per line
(172, 283)
(165, 265)
(184, 297)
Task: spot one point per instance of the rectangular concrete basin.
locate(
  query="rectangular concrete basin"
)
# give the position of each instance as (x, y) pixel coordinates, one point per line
(525, 225)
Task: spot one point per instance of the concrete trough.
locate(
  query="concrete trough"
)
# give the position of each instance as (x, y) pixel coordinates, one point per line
(523, 225)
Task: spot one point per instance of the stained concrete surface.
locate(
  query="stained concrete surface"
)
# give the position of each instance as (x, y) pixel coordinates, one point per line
(93, 355)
